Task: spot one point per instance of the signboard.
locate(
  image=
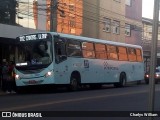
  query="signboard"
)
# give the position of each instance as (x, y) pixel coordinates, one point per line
(33, 37)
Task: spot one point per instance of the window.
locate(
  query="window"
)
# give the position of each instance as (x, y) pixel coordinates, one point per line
(72, 23)
(128, 2)
(100, 51)
(116, 27)
(139, 55)
(131, 54)
(71, 7)
(74, 48)
(88, 50)
(117, 1)
(107, 24)
(112, 52)
(127, 30)
(71, 10)
(122, 53)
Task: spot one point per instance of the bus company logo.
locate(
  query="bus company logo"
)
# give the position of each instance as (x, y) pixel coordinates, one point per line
(86, 64)
(6, 114)
(105, 64)
(109, 66)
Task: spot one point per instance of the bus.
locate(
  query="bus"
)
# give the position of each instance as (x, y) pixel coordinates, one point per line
(52, 58)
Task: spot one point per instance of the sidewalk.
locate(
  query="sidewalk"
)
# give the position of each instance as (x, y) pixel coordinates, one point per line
(2, 92)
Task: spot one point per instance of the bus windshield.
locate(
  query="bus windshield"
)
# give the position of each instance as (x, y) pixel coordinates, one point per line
(35, 53)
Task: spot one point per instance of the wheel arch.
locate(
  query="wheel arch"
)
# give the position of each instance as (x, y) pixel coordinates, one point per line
(123, 73)
(77, 75)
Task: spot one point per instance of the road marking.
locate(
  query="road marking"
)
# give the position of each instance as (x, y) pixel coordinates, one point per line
(69, 100)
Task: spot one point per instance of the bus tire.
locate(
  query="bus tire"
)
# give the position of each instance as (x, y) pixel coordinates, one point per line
(20, 90)
(122, 80)
(138, 82)
(74, 83)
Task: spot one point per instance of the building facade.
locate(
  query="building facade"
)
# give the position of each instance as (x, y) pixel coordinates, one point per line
(114, 20)
(147, 41)
(133, 22)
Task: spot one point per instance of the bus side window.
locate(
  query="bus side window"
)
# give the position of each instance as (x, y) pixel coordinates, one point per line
(122, 53)
(100, 51)
(74, 48)
(112, 52)
(88, 50)
(132, 54)
(139, 55)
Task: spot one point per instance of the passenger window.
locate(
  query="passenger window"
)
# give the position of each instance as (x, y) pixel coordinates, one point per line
(87, 46)
(122, 53)
(88, 50)
(132, 54)
(100, 51)
(139, 55)
(74, 48)
(112, 52)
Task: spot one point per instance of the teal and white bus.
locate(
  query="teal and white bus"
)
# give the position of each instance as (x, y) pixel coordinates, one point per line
(52, 58)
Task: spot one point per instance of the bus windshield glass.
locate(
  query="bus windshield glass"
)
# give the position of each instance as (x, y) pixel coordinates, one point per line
(33, 50)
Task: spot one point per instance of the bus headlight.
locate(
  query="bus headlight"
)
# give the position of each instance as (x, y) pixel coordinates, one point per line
(49, 73)
(17, 77)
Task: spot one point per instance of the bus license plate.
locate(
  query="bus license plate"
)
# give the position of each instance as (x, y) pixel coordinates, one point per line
(32, 82)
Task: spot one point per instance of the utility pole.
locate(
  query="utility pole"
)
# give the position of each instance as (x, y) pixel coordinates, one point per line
(153, 57)
(53, 15)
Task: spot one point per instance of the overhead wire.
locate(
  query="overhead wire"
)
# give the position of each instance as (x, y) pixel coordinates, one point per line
(92, 18)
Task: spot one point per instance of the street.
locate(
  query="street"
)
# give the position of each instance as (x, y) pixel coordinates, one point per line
(130, 98)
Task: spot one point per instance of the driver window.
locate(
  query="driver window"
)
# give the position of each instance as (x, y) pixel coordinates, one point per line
(42, 49)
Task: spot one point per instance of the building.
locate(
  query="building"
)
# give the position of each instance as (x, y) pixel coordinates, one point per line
(133, 22)
(147, 41)
(115, 20)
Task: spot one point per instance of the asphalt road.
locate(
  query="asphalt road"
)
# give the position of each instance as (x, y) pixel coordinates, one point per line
(131, 99)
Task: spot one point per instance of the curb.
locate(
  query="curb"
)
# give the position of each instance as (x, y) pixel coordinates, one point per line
(2, 92)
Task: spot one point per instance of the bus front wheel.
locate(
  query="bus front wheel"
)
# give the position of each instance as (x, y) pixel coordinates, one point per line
(74, 84)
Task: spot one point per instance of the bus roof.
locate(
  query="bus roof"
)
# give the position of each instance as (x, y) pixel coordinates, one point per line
(91, 39)
(95, 40)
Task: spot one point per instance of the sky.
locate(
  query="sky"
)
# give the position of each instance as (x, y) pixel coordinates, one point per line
(147, 8)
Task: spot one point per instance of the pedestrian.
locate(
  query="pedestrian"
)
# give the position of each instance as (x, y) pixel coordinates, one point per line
(8, 78)
(12, 77)
(0, 76)
(5, 75)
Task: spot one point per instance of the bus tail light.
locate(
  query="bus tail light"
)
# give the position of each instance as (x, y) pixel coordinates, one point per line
(147, 76)
(157, 75)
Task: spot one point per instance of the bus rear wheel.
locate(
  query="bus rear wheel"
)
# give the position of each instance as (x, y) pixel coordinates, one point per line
(122, 80)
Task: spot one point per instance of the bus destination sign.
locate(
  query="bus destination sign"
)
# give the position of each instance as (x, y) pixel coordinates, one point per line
(33, 37)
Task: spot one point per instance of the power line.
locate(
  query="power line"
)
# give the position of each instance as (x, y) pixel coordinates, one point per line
(90, 18)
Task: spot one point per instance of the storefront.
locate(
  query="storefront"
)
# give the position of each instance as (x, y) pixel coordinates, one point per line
(7, 46)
